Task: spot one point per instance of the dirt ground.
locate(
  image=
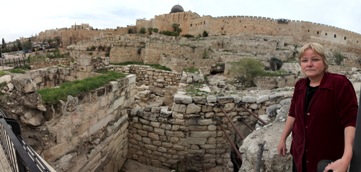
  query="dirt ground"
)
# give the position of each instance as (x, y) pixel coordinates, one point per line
(133, 166)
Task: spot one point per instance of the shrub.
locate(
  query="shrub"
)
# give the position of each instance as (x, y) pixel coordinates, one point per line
(131, 31)
(188, 35)
(205, 34)
(246, 69)
(142, 30)
(338, 57)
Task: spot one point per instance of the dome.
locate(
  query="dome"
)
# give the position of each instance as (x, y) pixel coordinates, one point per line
(177, 9)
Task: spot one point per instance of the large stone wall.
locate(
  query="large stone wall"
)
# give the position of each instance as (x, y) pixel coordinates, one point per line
(83, 133)
(192, 23)
(188, 135)
(91, 130)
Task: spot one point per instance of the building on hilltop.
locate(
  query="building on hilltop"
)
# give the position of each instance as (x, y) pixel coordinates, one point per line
(177, 9)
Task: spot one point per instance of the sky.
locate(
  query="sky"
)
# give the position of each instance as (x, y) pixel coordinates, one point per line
(26, 18)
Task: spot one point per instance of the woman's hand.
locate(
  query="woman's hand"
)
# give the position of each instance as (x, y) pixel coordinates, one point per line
(340, 165)
(281, 148)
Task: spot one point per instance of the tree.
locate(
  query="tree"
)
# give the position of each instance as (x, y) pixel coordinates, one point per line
(3, 45)
(18, 45)
(175, 26)
(26, 46)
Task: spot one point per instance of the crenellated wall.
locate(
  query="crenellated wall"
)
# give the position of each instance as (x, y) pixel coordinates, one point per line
(192, 23)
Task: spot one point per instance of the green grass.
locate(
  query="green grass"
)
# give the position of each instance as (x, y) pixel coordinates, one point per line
(191, 70)
(18, 70)
(2, 73)
(53, 95)
(155, 66)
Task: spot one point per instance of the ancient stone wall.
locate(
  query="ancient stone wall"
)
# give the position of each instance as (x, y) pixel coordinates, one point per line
(83, 133)
(189, 134)
(91, 130)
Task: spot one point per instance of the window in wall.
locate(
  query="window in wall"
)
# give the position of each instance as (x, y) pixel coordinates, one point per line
(222, 28)
(344, 38)
(325, 34)
(191, 25)
(334, 35)
(204, 22)
(318, 32)
(245, 26)
(308, 30)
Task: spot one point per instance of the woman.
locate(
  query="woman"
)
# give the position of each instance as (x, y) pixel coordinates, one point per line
(322, 116)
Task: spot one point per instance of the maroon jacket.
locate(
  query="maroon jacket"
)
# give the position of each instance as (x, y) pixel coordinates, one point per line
(319, 132)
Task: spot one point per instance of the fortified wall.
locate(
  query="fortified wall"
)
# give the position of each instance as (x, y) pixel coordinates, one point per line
(192, 23)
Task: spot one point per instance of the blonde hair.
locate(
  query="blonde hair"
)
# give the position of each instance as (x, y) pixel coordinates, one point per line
(317, 48)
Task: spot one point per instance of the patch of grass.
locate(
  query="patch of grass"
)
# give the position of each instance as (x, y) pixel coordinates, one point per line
(191, 70)
(53, 95)
(194, 89)
(275, 73)
(2, 73)
(155, 66)
(18, 70)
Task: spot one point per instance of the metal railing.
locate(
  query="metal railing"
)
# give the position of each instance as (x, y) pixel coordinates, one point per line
(21, 157)
(235, 154)
(14, 62)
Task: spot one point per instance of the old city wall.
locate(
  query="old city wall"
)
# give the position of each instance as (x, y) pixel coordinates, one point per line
(192, 23)
(72, 36)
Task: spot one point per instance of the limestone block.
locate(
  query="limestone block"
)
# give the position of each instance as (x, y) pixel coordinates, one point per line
(182, 99)
(211, 99)
(159, 131)
(224, 100)
(249, 99)
(100, 124)
(181, 108)
(147, 128)
(151, 147)
(175, 134)
(176, 121)
(203, 134)
(33, 118)
(5, 79)
(146, 140)
(24, 83)
(206, 108)
(195, 141)
(193, 108)
(200, 100)
(262, 98)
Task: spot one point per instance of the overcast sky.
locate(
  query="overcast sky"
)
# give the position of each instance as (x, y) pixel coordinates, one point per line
(25, 18)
